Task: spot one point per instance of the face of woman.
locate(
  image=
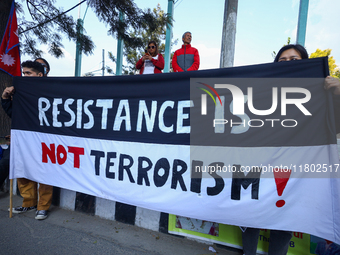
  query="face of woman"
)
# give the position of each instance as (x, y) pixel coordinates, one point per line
(152, 49)
(289, 55)
(44, 64)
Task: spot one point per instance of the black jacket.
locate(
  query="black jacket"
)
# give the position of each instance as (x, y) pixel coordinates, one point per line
(7, 106)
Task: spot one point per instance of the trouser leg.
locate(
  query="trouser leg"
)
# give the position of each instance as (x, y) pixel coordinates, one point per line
(4, 166)
(279, 242)
(45, 196)
(28, 190)
(250, 239)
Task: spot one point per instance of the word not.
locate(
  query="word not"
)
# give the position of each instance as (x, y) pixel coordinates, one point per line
(60, 154)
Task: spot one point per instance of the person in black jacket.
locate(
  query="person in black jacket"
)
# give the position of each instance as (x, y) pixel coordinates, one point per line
(4, 163)
(28, 188)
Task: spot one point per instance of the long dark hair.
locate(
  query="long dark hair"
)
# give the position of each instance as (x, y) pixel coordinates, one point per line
(156, 51)
(46, 63)
(299, 48)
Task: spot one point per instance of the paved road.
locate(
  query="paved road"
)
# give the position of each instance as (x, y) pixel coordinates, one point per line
(69, 232)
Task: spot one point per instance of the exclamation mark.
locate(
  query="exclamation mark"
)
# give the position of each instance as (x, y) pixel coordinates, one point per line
(281, 178)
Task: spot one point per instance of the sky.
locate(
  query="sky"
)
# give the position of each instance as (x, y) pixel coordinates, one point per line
(262, 27)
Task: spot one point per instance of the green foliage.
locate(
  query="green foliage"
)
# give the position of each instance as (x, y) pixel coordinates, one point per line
(288, 41)
(337, 74)
(155, 33)
(48, 24)
(333, 68)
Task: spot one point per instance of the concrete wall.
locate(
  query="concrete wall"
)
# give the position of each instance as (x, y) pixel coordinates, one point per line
(111, 210)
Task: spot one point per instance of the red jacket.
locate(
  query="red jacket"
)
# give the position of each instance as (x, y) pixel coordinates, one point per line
(158, 63)
(186, 59)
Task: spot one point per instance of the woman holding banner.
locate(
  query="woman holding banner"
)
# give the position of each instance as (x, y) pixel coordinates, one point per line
(279, 240)
(45, 64)
(296, 52)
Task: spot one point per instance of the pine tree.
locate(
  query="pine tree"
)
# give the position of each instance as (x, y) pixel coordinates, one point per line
(132, 52)
(48, 24)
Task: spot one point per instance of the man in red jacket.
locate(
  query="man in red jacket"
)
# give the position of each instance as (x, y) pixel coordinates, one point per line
(187, 57)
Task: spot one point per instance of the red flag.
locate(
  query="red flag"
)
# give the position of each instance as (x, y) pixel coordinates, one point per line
(9, 48)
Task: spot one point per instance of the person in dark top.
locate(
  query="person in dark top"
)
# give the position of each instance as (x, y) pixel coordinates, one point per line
(4, 163)
(28, 189)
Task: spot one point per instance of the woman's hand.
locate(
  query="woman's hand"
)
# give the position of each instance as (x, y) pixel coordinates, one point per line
(147, 57)
(331, 82)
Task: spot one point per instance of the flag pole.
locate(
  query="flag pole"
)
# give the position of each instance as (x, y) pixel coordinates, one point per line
(10, 197)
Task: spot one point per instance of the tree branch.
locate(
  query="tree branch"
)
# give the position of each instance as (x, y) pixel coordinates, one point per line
(47, 21)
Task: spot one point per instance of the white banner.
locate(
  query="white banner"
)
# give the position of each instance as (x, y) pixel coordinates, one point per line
(157, 177)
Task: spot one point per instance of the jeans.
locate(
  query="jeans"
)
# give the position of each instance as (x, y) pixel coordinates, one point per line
(4, 166)
(278, 242)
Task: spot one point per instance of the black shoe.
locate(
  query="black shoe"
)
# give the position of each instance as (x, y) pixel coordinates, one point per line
(21, 209)
(41, 215)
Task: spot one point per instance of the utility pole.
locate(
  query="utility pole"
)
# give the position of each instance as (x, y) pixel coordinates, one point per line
(119, 63)
(168, 38)
(229, 33)
(302, 23)
(80, 28)
(103, 66)
(78, 50)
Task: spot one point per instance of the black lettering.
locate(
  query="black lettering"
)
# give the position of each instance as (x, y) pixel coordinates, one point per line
(263, 238)
(98, 155)
(177, 175)
(142, 171)
(196, 170)
(239, 179)
(162, 163)
(109, 174)
(213, 191)
(123, 167)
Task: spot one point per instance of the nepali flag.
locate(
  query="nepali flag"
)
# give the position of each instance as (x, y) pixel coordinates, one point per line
(9, 48)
